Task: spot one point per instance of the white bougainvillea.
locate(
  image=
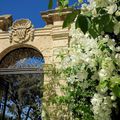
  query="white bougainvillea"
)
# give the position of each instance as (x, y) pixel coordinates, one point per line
(102, 3)
(91, 65)
(102, 107)
(100, 57)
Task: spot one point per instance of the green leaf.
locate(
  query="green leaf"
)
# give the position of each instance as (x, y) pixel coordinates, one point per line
(103, 23)
(82, 23)
(103, 83)
(70, 18)
(115, 85)
(101, 10)
(50, 5)
(66, 2)
(109, 28)
(80, 1)
(88, 14)
(114, 81)
(93, 32)
(116, 90)
(63, 3)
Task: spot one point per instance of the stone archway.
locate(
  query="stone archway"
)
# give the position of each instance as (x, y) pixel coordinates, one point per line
(48, 40)
(24, 88)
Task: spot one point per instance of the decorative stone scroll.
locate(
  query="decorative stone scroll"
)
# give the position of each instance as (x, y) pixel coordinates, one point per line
(22, 31)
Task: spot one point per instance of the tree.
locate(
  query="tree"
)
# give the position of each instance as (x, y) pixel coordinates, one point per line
(24, 97)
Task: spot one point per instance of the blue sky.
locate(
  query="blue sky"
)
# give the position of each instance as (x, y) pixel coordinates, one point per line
(26, 9)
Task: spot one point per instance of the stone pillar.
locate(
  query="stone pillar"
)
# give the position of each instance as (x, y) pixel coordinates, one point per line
(60, 40)
(60, 36)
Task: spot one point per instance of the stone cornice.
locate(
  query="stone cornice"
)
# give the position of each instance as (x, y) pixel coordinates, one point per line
(38, 32)
(51, 16)
(56, 34)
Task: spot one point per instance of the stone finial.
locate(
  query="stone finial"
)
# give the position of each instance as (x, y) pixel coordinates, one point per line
(5, 22)
(22, 31)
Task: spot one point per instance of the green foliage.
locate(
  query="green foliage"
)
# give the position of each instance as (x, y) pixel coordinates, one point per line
(80, 1)
(82, 22)
(98, 21)
(94, 25)
(61, 4)
(24, 95)
(70, 18)
(115, 85)
(78, 95)
(50, 4)
(52, 109)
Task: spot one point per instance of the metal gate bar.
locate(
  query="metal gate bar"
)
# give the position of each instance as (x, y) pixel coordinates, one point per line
(7, 71)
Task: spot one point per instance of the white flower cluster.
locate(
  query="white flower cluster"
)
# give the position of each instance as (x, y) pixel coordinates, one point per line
(101, 107)
(83, 46)
(86, 51)
(109, 5)
(101, 3)
(107, 68)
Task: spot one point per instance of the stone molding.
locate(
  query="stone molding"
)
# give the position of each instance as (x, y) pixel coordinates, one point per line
(4, 35)
(37, 32)
(46, 31)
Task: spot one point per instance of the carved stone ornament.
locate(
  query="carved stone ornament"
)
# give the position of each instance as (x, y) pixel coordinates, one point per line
(22, 31)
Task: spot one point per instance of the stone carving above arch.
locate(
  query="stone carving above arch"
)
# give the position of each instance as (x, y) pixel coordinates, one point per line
(22, 31)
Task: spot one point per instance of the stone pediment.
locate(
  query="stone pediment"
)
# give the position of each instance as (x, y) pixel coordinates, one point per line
(21, 31)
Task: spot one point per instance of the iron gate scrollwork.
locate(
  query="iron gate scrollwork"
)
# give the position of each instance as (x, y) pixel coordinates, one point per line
(26, 88)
